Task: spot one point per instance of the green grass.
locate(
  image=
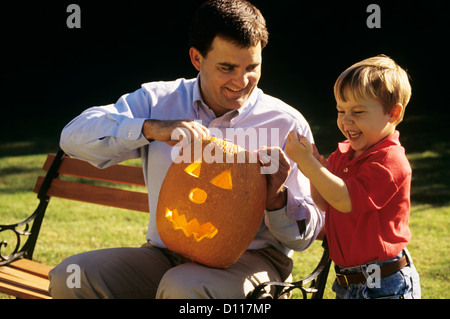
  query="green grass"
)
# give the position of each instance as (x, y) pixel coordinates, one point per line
(69, 227)
(72, 227)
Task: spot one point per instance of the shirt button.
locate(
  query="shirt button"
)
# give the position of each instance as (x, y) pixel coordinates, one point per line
(345, 169)
(130, 134)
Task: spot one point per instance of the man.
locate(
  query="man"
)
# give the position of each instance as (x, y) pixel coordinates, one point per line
(226, 38)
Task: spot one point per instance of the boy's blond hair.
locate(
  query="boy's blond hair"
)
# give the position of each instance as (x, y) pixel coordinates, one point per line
(378, 78)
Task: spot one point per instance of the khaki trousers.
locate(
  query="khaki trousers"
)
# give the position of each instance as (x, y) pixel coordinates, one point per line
(151, 272)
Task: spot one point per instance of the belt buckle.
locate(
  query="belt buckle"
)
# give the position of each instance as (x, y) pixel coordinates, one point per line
(340, 282)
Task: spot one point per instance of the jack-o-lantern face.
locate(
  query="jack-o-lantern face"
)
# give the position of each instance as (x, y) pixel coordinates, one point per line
(210, 212)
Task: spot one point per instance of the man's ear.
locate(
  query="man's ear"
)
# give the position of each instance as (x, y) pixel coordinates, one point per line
(196, 58)
(396, 112)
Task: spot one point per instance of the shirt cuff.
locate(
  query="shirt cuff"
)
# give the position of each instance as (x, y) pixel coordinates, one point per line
(296, 207)
(278, 218)
(130, 129)
(284, 228)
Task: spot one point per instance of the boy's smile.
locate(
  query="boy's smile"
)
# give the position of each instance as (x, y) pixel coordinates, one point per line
(364, 122)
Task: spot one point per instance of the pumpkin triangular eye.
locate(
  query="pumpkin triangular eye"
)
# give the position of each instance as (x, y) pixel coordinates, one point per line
(223, 180)
(193, 169)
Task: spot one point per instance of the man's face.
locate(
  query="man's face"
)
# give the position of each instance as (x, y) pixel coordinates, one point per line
(228, 74)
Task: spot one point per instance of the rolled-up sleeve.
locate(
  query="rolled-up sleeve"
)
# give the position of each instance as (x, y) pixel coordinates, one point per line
(107, 135)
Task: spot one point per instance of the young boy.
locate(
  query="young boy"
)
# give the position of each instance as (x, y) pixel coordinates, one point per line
(364, 188)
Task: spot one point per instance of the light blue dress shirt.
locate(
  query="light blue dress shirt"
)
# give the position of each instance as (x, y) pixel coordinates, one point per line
(107, 135)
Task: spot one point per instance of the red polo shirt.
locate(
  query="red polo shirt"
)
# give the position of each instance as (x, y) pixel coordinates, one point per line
(378, 182)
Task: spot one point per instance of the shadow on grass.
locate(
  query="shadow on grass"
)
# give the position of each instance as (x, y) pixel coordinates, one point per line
(37, 145)
(431, 178)
(427, 144)
(30, 136)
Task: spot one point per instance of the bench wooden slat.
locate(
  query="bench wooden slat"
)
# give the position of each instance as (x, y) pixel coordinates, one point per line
(37, 281)
(96, 194)
(23, 284)
(31, 267)
(124, 174)
(21, 292)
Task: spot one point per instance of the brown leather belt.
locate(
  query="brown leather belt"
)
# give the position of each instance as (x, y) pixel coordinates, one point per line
(345, 280)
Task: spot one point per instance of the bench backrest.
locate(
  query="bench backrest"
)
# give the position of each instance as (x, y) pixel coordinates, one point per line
(85, 192)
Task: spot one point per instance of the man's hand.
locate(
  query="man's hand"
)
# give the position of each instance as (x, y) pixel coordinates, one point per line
(276, 192)
(172, 132)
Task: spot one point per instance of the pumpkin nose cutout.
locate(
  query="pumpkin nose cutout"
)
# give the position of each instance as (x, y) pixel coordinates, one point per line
(197, 196)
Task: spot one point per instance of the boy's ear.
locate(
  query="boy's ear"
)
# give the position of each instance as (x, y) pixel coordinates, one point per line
(396, 112)
(196, 58)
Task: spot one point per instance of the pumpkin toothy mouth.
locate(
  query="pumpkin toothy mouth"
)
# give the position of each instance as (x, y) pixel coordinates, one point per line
(193, 227)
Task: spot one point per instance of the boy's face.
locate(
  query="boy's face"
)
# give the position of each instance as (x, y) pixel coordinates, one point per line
(228, 74)
(364, 122)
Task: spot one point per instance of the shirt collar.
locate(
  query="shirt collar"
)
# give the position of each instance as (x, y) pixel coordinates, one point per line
(197, 96)
(197, 101)
(392, 139)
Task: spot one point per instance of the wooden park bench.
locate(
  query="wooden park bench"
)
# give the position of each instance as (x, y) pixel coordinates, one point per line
(24, 278)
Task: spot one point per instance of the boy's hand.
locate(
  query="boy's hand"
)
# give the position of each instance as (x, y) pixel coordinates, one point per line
(331, 188)
(298, 148)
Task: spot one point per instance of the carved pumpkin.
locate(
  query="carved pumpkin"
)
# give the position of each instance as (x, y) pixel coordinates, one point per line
(210, 211)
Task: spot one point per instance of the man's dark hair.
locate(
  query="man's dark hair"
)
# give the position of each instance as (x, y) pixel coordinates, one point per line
(235, 20)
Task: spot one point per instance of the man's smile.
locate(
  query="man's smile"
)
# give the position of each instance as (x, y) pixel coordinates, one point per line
(234, 90)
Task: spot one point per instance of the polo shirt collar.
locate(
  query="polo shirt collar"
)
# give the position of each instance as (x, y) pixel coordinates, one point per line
(392, 139)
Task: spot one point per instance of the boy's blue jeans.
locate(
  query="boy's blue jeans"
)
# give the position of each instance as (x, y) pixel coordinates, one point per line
(404, 284)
